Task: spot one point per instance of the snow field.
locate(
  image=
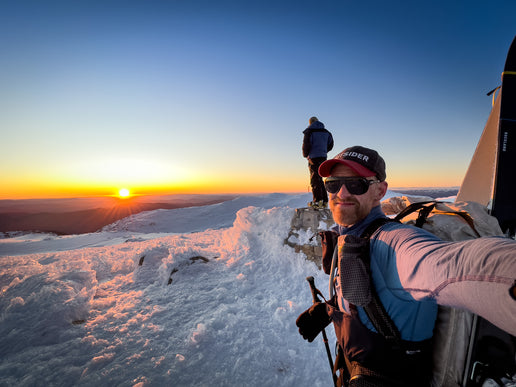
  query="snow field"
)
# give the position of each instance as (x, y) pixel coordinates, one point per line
(215, 307)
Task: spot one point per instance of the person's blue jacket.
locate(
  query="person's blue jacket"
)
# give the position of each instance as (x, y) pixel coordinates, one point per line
(414, 271)
(317, 141)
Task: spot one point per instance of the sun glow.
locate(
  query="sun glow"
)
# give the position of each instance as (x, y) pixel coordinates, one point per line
(124, 193)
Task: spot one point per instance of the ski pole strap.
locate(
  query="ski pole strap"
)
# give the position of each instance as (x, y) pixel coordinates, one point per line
(313, 289)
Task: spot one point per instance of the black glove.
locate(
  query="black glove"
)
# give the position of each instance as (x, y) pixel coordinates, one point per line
(312, 321)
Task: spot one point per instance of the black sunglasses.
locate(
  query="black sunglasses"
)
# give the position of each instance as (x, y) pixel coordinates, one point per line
(354, 185)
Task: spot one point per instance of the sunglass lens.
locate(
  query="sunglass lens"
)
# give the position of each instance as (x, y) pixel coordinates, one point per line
(333, 186)
(355, 186)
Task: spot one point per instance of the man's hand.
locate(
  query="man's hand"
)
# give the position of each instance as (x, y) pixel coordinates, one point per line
(312, 321)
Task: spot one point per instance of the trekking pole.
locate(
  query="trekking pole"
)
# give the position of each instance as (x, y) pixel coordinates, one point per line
(316, 299)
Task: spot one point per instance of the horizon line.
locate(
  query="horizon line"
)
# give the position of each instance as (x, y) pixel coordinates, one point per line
(116, 197)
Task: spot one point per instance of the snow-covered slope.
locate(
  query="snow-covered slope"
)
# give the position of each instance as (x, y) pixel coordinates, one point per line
(215, 307)
(149, 225)
(196, 219)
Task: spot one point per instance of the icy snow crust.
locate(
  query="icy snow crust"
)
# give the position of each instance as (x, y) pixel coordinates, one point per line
(214, 302)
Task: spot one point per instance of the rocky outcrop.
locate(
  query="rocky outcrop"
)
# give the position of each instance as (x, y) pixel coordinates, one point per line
(304, 229)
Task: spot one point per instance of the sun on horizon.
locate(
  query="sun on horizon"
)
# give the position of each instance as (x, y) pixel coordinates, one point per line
(124, 193)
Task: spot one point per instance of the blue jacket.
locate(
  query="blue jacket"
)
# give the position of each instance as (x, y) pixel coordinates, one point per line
(317, 141)
(413, 271)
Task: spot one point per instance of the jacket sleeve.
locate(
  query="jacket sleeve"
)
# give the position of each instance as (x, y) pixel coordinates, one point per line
(330, 142)
(474, 275)
(306, 143)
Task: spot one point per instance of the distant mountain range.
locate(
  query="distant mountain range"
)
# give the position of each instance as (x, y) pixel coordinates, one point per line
(85, 215)
(433, 192)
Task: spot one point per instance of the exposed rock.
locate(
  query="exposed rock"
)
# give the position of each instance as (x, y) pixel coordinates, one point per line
(304, 229)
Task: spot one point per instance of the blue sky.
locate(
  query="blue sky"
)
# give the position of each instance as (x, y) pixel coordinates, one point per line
(203, 96)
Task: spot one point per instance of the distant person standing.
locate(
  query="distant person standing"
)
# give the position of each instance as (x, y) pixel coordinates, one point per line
(317, 142)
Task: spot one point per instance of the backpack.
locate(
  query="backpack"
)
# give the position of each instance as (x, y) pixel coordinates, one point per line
(467, 350)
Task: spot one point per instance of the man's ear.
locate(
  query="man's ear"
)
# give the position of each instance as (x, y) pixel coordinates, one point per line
(381, 190)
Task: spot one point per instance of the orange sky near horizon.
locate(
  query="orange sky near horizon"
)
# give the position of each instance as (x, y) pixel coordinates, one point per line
(144, 177)
(223, 185)
(238, 184)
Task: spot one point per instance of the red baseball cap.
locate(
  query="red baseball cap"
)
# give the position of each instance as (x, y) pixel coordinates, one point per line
(364, 161)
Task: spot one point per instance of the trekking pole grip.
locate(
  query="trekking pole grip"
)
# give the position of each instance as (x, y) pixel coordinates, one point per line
(315, 298)
(313, 289)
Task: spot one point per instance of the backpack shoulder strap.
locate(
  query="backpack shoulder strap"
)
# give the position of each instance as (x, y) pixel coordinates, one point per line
(425, 208)
(375, 310)
(375, 225)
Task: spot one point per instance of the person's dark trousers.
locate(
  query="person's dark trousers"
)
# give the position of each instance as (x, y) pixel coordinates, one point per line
(316, 182)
